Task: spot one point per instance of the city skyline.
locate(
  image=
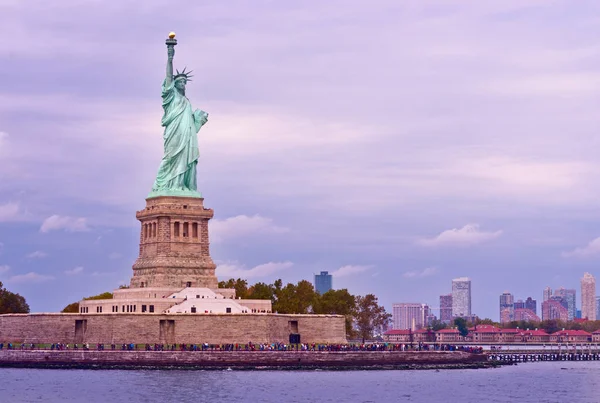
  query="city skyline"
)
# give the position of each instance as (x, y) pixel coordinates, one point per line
(396, 146)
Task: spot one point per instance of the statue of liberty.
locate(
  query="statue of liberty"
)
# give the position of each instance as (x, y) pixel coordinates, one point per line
(177, 172)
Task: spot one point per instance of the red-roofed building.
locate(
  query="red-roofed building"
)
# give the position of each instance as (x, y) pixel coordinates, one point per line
(492, 334)
(571, 336)
(398, 336)
(534, 336)
(448, 336)
(596, 336)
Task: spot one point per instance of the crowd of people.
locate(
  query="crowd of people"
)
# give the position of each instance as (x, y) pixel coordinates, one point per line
(349, 347)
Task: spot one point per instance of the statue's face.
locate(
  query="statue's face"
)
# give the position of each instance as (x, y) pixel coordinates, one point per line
(180, 84)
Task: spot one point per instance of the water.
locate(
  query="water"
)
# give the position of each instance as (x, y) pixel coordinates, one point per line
(532, 382)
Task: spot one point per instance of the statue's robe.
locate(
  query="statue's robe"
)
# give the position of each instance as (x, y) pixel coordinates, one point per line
(177, 171)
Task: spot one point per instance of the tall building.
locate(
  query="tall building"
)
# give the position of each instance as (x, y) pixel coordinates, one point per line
(588, 297)
(597, 306)
(409, 315)
(446, 308)
(461, 297)
(547, 293)
(519, 304)
(323, 282)
(555, 308)
(525, 314)
(531, 304)
(570, 297)
(507, 301)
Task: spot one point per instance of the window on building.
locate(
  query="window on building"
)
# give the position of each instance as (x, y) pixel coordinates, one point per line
(188, 284)
(193, 309)
(123, 308)
(195, 230)
(154, 230)
(134, 308)
(176, 229)
(185, 229)
(151, 308)
(100, 309)
(228, 310)
(143, 308)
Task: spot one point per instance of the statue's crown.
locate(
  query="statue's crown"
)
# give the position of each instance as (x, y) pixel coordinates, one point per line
(183, 74)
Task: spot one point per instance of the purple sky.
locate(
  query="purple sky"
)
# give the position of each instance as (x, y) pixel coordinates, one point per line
(397, 145)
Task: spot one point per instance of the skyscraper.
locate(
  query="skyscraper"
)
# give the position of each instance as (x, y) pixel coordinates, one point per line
(547, 294)
(531, 304)
(446, 308)
(461, 297)
(323, 282)
(555, 308)
(570, 297)
(519, 304)
(506, 307)
(409, 315)
(588, 297)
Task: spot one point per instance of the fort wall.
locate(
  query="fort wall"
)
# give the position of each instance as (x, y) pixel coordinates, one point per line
(137, 328)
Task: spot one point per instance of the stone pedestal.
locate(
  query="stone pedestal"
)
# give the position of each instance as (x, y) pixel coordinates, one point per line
(174, 246)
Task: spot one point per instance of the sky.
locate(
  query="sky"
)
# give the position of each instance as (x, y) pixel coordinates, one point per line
(397, 146)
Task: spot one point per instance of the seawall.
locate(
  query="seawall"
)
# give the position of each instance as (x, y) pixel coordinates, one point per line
(241, 359)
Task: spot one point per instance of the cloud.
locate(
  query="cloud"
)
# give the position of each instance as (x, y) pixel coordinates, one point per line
(4, 268)
(30, 277)
(349, 270)
(468, 235)
(101, 274)
(10, 212)
(242, 226)
(426, 272)
(71, 224)
(114, 255)
(592, 248)
(38, 254)
(74, 271)
(234, 270)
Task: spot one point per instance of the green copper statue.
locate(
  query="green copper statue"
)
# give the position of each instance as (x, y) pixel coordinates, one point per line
(177, 172)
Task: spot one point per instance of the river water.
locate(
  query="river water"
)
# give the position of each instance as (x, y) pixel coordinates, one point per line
(529, 382)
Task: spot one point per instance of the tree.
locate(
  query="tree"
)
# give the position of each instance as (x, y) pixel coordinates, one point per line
(337, 302)
(11, 302)
(438, 325)
(261, 291)
(294, 298)
(240, 286)
(370, 316)
(73, 307)
(461, 325)
(486, 321)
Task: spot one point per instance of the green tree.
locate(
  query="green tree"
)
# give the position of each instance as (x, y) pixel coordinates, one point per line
(261, 291)
(71, 308)
(11, 302)
(294, 298)
(461, 325)
(337, 302)
(438, 325)
(370, 316)
(240, 286)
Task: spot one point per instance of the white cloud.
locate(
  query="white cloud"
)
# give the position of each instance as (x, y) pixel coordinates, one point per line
(426, 272)
(71, 224)
(4, 268)
(114, 255)
(592, 248)
(30, 277)
(468, 235)
(101, 274)
(9, 212)
(74, 271)
(38, 254)
(234, 270)
(349, 270)
(243, 225)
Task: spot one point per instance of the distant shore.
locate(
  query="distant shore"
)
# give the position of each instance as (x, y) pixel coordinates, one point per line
(249, 360)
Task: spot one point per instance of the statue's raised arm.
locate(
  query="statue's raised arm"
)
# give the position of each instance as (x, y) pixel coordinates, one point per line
(171, 42)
